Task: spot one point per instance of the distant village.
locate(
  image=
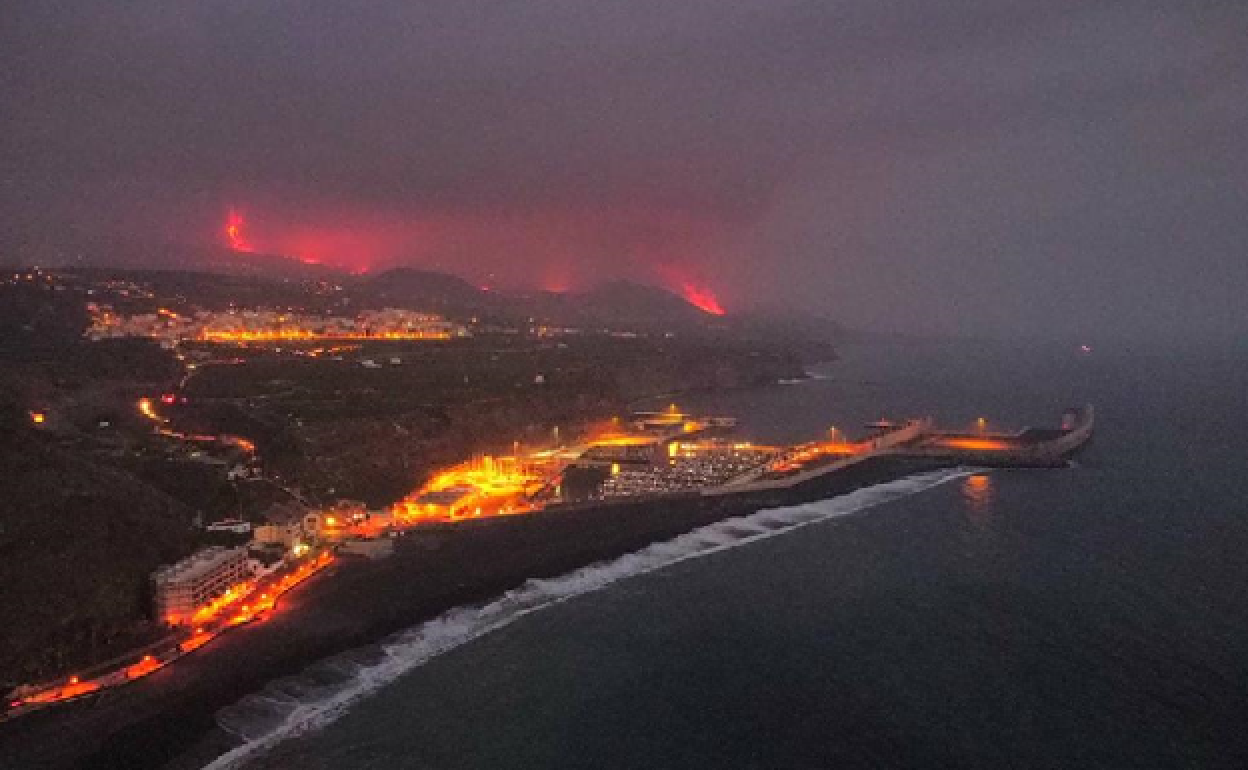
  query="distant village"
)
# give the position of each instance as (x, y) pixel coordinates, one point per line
(171, 328)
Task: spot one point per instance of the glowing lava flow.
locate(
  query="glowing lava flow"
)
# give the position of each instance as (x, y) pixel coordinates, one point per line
(234, 232)
(702, 298)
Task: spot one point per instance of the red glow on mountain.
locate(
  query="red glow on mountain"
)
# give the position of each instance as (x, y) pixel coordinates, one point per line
(556, 279)
(702, 298)
(555, 250)
(684, 277)
(234, 232)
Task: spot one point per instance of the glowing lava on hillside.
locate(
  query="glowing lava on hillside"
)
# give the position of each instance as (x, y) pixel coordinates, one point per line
(702, 298)
(234, 232)
(682, 278)
(551, 251)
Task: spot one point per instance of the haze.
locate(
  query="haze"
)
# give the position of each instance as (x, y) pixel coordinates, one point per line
(986, 167)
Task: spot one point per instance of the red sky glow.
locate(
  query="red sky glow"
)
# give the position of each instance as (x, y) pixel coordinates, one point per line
(555, 250)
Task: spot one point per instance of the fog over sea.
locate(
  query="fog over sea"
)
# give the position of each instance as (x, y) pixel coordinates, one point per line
(1095, 616)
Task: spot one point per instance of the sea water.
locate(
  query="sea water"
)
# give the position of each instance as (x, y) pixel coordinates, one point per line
(1095, 616)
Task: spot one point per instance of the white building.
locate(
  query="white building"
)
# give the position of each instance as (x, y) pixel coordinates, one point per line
(235, 526)
(180, 589)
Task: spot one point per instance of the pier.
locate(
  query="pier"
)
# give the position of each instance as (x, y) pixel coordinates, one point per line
(1028, 448)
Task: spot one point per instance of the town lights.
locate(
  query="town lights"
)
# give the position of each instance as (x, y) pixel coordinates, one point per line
(38, 418)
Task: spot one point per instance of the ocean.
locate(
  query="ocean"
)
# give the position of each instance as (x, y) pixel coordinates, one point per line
(1088, 617)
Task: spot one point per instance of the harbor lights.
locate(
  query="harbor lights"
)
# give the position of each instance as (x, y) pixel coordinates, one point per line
(981, 423)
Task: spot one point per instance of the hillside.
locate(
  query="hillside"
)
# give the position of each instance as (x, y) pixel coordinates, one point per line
(77, 543)
(411, 287)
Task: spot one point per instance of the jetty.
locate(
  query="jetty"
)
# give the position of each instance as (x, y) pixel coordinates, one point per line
(917, 445)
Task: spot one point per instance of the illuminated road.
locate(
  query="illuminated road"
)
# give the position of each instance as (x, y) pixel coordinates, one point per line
(234, 608)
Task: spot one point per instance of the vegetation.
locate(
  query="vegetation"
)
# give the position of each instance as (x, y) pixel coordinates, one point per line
(93, 498)
(77, 541)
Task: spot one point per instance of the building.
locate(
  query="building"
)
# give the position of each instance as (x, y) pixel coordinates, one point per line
(234, 526)
(181, 589)
(445, 503)
(623, 452)
(335, 521)
(284, 535)
(283, 525)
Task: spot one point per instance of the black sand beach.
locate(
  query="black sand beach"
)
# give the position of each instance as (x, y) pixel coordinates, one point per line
(168, 718)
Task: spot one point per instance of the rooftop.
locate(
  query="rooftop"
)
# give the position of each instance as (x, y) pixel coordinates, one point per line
(197, 564)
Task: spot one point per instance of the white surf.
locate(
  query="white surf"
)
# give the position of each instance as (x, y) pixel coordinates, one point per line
(326, 690)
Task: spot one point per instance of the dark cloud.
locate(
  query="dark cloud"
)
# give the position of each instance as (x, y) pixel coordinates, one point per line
(984, 166)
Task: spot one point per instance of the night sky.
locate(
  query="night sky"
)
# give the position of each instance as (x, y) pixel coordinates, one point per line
(987, 167)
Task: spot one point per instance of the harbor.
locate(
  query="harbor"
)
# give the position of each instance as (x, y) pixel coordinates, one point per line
(677, 455)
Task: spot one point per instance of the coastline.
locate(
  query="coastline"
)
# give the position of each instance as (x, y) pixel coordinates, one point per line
(169, 720)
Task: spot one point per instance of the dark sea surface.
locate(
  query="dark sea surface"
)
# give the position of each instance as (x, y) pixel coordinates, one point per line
(1090, 617)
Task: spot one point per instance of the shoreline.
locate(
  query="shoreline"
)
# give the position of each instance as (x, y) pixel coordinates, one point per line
(168, 720)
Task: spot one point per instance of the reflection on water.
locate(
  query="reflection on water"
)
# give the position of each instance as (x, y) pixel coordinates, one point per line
(979, 493)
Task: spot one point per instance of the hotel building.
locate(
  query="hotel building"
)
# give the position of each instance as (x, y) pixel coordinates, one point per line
(181, 589)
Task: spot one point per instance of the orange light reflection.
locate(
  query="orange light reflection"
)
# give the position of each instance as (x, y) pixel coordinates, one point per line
(976, 444)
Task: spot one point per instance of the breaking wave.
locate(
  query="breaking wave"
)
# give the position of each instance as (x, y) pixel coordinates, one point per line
(324, 691)
(807, 376)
